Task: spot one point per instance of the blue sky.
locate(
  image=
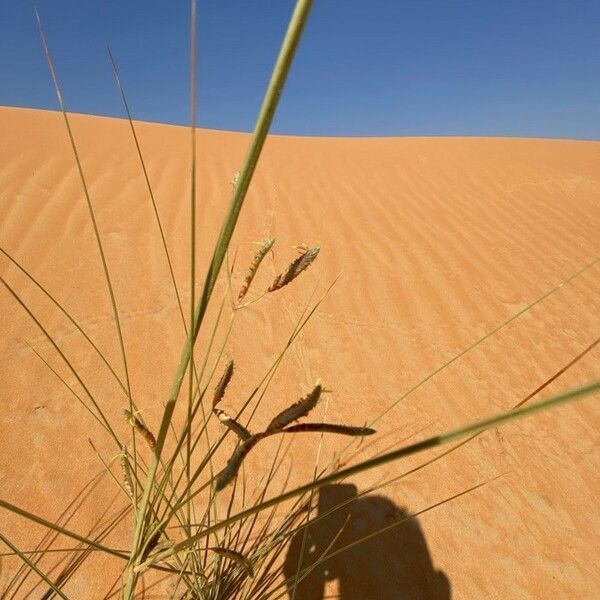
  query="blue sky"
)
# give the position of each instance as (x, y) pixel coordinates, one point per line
(364, 67)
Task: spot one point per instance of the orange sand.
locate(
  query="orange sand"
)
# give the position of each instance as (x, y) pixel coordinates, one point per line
(437, 241)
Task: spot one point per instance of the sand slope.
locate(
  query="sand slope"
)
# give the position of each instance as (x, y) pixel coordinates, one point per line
(437, 243)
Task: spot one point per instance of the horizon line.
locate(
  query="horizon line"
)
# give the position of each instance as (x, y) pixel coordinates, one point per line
(306, 135)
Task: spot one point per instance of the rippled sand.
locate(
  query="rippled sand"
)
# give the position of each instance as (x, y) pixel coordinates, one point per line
(436, 241)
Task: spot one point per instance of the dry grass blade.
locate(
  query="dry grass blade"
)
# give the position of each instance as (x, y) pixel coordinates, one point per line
(300, 264)
(232, 424)
(237, 557)
(227, 475)
(329, 428)
(140, 428)
(251, 272)
(297, 410)
(223, 383)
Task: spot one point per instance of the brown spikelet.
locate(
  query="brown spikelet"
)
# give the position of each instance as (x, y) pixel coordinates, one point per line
(251, 272)
(299, 265)
(141, 429)
(126, 470)
(237, 557)
(223, 383)
(329, 428)
(297, 410)
(232, 424)
(227, 475)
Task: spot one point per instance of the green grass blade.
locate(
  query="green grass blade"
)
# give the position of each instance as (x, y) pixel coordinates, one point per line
(71, 534)
(478, 433)
(33, 567)
(89, 205)
(486, 336)
(147, 180)
(64, 311)
(64, 358)
(478, 342)
(439, 440)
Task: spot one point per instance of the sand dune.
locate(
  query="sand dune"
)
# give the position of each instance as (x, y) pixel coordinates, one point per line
(436, 241)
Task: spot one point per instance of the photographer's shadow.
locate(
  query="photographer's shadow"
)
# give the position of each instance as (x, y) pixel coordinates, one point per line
(393, 565)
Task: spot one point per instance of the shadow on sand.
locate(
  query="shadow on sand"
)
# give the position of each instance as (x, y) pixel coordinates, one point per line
(394, 565)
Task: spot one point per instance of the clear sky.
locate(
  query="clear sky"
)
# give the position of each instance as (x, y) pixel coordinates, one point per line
(364, 67)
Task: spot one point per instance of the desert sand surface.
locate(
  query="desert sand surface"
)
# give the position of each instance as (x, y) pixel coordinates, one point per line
(435, 243)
